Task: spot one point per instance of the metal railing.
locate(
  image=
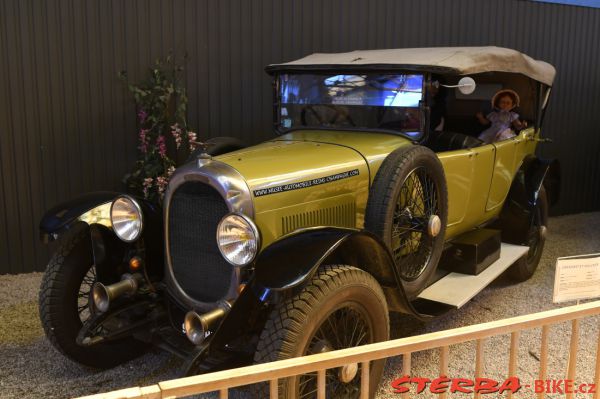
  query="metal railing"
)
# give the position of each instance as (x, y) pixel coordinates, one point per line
(222, 381)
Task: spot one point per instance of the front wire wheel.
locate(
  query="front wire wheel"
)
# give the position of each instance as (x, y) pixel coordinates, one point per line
(65, 304)
(332, 335)
(85, 309)
(341, 307)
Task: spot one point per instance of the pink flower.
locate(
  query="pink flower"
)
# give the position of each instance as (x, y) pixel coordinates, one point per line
(143, 141)
(176, 132)
(162, 147)
(147, 184)
(142, 116)
(192, 140)
(161, 184)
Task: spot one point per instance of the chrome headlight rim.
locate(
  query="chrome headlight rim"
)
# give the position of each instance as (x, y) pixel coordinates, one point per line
(138, 210)
(254, 230)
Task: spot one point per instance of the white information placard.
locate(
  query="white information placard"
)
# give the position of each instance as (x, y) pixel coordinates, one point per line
(577, 277)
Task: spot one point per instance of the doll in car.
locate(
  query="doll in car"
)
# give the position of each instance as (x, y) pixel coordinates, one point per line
(502, 119)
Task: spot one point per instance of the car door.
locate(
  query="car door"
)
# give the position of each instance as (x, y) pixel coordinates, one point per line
(468, 176)
(504, 170)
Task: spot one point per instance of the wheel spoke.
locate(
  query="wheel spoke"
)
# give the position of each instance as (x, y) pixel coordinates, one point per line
(345, 327)
(417, 202)
(83, 296)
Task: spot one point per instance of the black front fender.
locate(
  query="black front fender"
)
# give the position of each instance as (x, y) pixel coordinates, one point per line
(291, 261)
(107, 248)
(288, 263)
(62, 217)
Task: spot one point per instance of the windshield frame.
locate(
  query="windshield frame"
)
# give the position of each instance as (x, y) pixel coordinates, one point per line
(423, 109)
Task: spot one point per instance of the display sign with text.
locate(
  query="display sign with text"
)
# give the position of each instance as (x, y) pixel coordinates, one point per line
(576, 278)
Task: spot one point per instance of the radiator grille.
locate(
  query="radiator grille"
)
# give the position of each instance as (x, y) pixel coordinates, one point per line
(342, 215)
(198, 266)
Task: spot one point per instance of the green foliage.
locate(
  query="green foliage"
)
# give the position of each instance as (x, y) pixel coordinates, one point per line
(163, 133)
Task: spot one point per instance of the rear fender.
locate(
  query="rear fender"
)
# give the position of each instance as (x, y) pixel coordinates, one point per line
(515, 217)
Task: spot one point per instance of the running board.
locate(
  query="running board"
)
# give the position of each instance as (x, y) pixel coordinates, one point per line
(456, 289)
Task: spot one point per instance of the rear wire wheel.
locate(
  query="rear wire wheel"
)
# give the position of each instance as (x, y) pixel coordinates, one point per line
(526, 266)
(341, 307)
(408, 209)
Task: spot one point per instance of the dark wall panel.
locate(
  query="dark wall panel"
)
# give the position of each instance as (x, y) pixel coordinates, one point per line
(67, 124)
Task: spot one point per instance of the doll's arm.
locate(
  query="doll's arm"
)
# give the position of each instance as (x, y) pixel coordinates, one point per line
(517, 124)
(482, 119)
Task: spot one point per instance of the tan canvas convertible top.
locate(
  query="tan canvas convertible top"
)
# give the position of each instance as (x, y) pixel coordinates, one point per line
(457, 60)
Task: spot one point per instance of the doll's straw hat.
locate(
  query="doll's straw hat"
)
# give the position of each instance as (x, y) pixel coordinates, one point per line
(513, 94)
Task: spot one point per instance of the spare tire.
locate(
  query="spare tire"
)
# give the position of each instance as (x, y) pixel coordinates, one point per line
(408, 209)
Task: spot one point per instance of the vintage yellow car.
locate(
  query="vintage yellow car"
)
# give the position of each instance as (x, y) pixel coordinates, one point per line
(385, 188)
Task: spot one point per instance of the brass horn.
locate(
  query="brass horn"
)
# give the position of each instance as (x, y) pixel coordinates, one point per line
(197, 325)
(103, 295)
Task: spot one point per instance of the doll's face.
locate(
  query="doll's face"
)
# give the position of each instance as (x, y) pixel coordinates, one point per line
(505, 103)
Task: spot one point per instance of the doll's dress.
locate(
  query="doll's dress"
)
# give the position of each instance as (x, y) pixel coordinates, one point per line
(501, 126)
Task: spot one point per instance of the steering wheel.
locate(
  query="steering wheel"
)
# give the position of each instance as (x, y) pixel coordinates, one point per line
(338, 114)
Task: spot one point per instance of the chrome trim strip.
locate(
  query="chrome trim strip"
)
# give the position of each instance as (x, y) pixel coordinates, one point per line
(232, 187)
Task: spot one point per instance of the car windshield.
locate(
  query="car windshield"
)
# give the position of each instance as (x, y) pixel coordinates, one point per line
(372, 101)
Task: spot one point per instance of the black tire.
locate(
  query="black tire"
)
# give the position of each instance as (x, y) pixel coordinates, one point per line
(218, 146)
(63, 299)
(342, 296)
(525, 267)
(408, 190)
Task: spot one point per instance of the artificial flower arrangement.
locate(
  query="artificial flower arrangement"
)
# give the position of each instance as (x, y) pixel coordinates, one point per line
(164, 136)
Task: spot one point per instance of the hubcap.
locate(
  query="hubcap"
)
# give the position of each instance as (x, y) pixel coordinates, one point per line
(543, 231)
(346, 327)
(434, 225)
(348, 372)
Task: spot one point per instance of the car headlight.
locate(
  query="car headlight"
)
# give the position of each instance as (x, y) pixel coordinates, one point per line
(126, 218)
(238, 239)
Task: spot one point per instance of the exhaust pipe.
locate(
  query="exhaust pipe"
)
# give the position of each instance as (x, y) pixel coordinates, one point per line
(196, 326)
(103, 295)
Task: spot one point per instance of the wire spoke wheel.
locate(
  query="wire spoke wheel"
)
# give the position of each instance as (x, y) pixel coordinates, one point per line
(411, 244)
(85, 308)
(408, 210)
(346, 327)
(535, 238)
(65, 304)
(340, 307)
